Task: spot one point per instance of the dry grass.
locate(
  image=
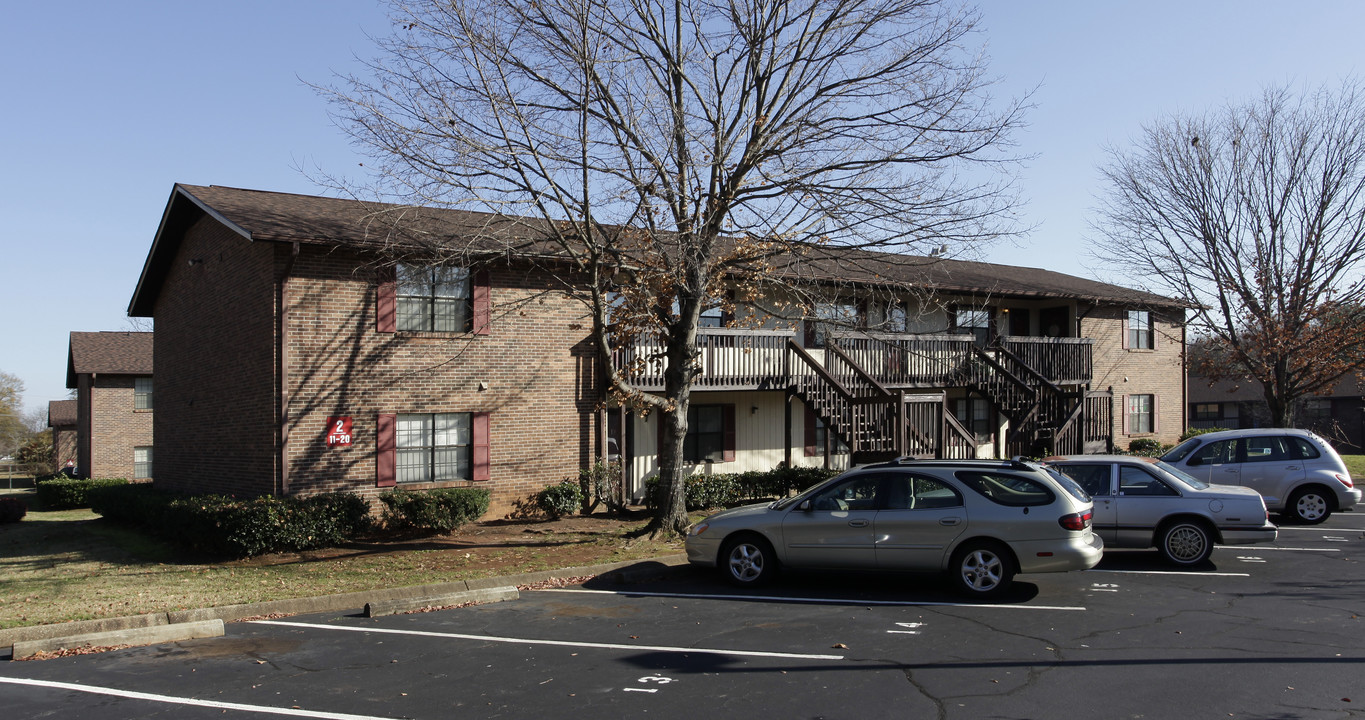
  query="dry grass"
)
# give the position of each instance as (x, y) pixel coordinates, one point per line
(72, 565)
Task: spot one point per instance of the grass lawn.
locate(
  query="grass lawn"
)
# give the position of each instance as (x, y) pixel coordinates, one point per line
(73, 565)
(1356, 464)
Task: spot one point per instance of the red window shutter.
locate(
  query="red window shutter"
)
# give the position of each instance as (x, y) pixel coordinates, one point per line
(1152, 325)
(1123, 408)
(727, 426)
(811, 450)
(386, 301)
(479, 446)
(1156, 412)
(483, 314)
(386, 470)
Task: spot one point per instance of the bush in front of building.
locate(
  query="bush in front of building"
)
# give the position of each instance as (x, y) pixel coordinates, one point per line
(556, 501)
(1149, 447)
(1199, 431)
(63, 493)
(726, 490)
(12, 510)
(233, 527)
(442, 509)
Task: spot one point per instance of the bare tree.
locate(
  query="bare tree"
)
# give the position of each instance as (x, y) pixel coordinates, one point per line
(1255, 214)
(663, 152)
(13, 432)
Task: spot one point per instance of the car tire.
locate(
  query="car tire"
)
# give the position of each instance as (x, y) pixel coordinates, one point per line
(1309, 506)
(981, 569)
(1185, 542)
(748, 561)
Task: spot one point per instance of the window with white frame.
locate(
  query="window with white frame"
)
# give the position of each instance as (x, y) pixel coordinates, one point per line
(831, 317)
(1140, 418)
(1140, 330)
(433, 447)
(434, 298)
(142, 463)
(142, 393)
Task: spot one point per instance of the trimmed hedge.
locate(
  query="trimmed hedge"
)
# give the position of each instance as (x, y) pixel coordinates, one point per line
(63, 493)
(726, 490)
(559, 500)
(12, 510)
(228, 526)
(443, 509)
(1150, 447)
(1199, 431)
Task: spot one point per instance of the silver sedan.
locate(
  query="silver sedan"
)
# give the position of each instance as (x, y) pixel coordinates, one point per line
(1142, 502)
(981, 522)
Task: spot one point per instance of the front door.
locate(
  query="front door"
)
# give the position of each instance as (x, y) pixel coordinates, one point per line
(836, 527)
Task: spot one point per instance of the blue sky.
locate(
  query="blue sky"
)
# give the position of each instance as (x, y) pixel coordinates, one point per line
(109, 104)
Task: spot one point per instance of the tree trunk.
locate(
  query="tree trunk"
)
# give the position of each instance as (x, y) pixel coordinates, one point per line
(670, 518)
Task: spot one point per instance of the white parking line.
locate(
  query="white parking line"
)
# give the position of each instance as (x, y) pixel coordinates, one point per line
(216, 704)
(1272, 547)
(1170, 572)
(812, 601)
(561, 643)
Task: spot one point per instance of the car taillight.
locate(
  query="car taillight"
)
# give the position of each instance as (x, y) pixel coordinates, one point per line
(1345, 480)
(1076, 521)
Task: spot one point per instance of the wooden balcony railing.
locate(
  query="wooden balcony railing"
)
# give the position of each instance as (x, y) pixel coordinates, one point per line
(1063, 361)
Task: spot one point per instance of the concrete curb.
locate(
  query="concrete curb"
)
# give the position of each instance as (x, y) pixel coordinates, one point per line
(378, 608)
(133, 636)
(114, 628)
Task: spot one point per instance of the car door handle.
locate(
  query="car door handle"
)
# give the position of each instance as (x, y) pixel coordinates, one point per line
(1292, 467)
(858, 523)
(1231, 470)
(949, 521)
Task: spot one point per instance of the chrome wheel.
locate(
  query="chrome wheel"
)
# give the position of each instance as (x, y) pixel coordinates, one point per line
(1310, 506)
(1186, 544)
(748, 561)
(982, 569)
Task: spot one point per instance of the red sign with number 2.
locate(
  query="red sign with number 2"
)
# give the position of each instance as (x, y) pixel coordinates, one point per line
(339, 430)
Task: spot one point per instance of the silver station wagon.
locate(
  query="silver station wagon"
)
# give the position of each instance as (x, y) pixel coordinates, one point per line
(980, 521)
(1141, 502)
(1297, 472)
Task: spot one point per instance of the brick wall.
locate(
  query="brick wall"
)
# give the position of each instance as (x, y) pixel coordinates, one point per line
(214, 359)
(1157, 371)
(533, 372)
(115, 427)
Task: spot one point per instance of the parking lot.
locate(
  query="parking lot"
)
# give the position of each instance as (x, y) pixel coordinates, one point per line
(1265, 631)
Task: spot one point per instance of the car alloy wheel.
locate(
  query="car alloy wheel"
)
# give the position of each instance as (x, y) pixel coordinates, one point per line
(982, 569)
(1309, 506)
(748, 561)
(1186, 543)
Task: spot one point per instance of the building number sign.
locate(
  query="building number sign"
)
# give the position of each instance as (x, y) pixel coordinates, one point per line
(339, 430)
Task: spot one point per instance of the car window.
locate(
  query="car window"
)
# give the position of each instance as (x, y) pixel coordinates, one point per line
(856, 493)
(1303, 450)
(1137, 481)
(1273, 448)
(1093, 478)
(918, 492)
(1007, 489)
(1216, 453)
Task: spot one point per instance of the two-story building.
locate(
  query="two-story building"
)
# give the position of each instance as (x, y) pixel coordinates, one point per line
(294, 358)
(61, 417)
(112, 375)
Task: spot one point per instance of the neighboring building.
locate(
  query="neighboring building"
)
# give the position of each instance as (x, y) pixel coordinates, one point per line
(112, 375)
(293, 359)
(61, 417)
(1338, 415)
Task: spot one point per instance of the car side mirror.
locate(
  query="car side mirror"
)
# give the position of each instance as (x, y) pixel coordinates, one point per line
(805, 506)
(1194, 461)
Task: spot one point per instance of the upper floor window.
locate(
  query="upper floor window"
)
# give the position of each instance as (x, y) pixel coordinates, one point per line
(712, 317)
(974, 321)
(1140, 335)
(434, 299)
(829, 318)
(142, 395)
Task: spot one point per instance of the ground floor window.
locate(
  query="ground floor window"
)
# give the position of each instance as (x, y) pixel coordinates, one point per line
(1207, 411)
(1140, 416)
(433, 447)
(705, 441)
(975, 414)
(142, 463)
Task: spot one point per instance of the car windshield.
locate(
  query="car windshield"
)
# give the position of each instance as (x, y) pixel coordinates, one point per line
(1178, 453)
(787, 502)
(1182, 476)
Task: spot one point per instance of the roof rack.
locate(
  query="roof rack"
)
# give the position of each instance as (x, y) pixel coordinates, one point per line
(1014, 463)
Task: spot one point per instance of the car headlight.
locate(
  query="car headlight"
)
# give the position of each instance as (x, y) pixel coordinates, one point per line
(698, 529)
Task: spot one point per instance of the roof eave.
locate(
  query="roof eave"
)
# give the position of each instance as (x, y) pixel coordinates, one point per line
(166, 243)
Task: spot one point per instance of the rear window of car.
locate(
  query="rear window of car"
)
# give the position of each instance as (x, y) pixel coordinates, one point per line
(1304, 450)
(1007, 489)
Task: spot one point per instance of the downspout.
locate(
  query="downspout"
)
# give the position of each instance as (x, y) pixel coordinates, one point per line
(282, 334)
(1184, 378)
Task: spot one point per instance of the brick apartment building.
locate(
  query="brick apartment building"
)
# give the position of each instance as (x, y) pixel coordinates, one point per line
(292, 358)
(112, 375)
(61, 417)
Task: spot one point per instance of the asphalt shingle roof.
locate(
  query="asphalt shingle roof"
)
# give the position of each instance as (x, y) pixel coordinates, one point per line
(111, 353)
(61, 413)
